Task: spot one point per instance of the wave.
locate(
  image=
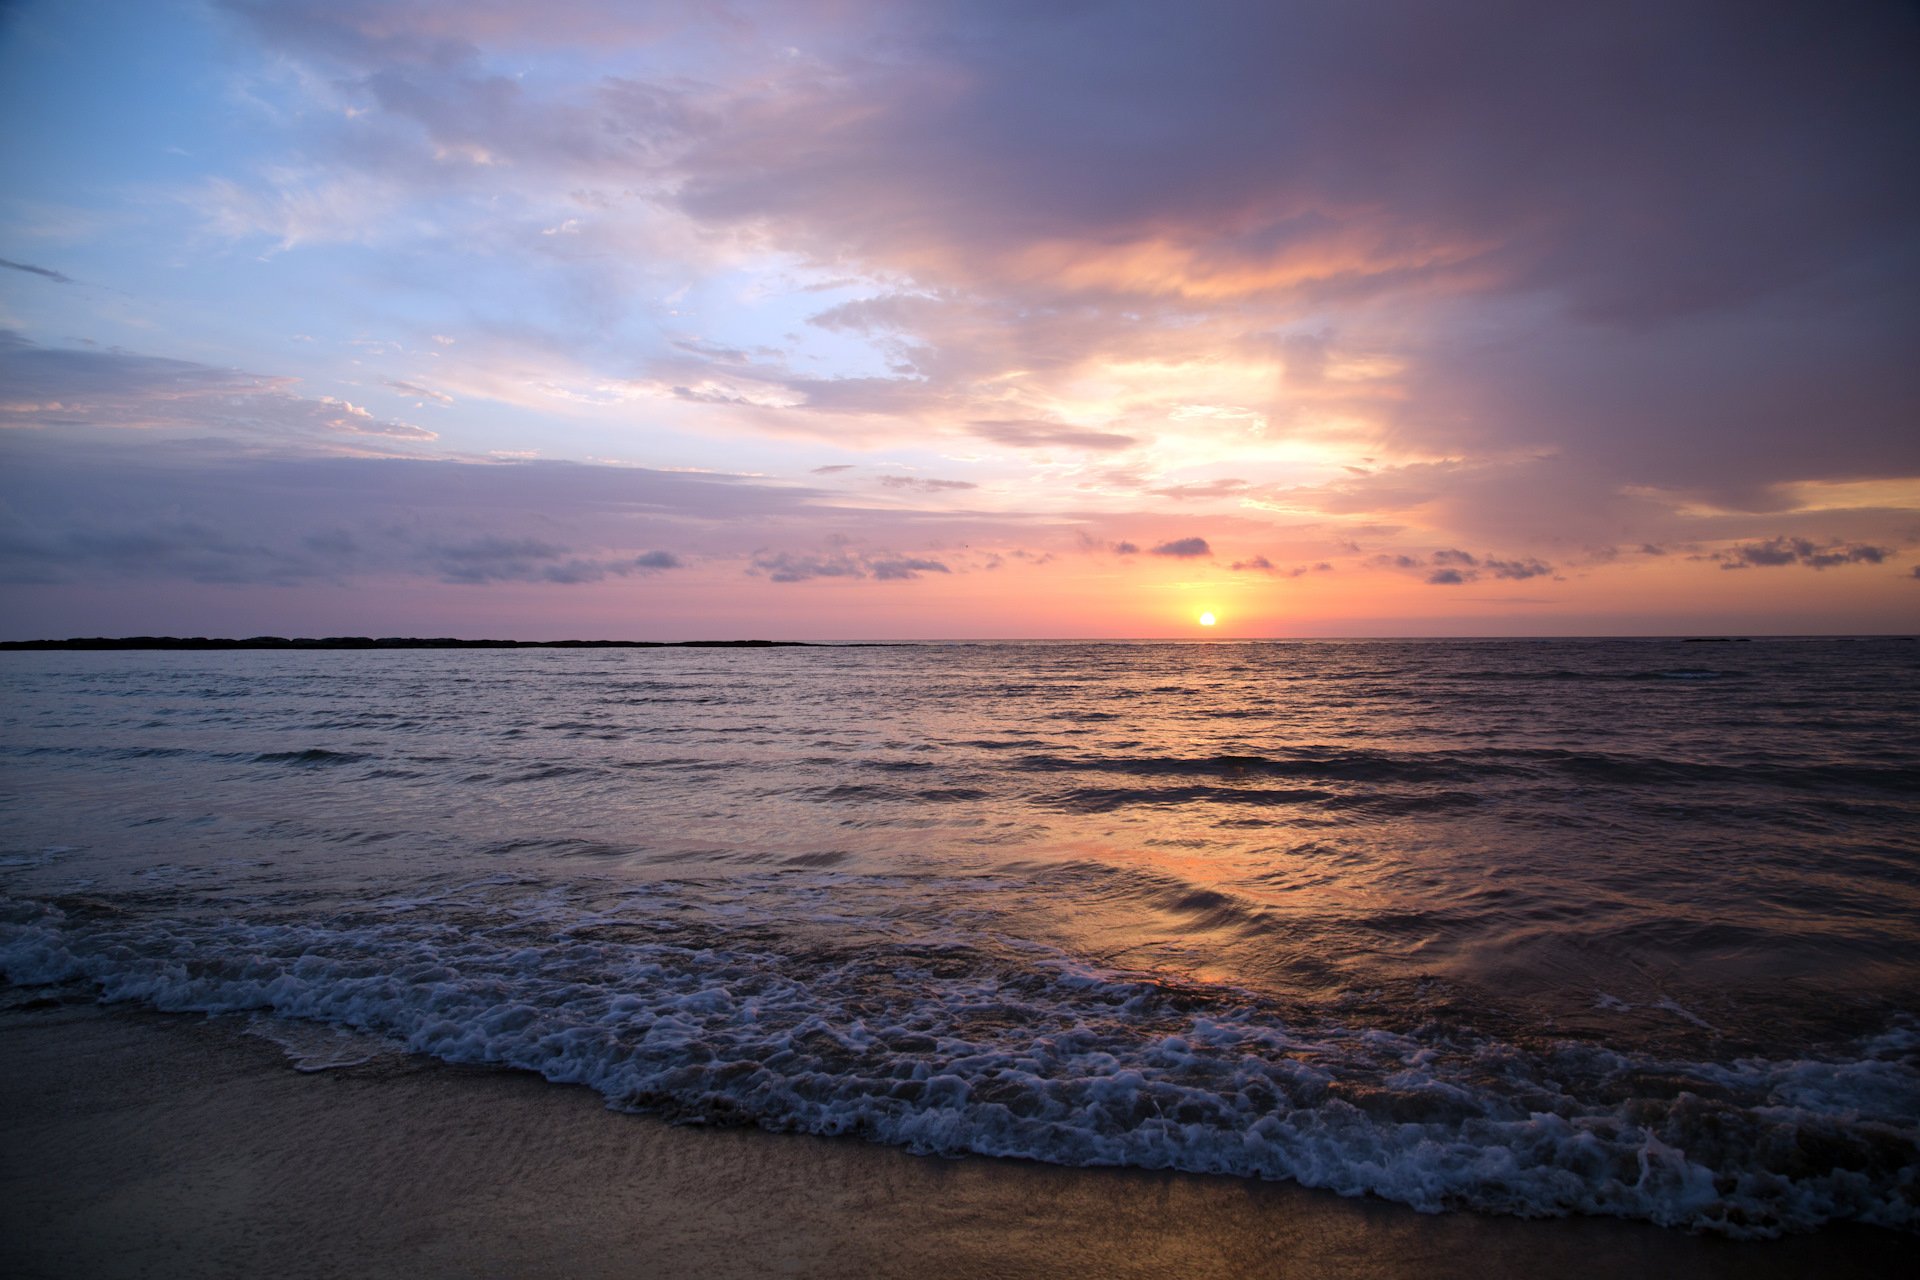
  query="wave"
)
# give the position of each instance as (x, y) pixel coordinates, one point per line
(312, 757)
(1108, 799)
(1357, 766)
(1475, 766)
(804, 1002)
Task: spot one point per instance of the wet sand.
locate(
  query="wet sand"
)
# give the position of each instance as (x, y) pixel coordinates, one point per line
(145, 1145)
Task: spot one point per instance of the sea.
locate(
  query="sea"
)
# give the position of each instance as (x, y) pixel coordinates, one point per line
(1536, 927)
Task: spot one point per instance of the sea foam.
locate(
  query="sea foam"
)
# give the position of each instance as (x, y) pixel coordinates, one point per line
(947, 1043)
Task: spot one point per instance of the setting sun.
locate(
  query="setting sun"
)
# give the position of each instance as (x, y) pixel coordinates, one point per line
(1206, 619)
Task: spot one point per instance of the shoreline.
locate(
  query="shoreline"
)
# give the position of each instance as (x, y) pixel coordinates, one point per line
(136, 1143)
(197, 644)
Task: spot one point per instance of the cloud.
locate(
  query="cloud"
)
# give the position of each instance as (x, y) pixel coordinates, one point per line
(1024, 203)
(47, 272)
(155, 469)
(1260, 564)
(1028, 434)
(1126, 549)
(1518, 570)
(156, 510)
(919, 485)
(833, 470)
(493, 559)
(1184, 548)
(1777, 552)
(785, 566)
(424, 393)
(1202, 489)
(1373, 260)
(79, 388)
(1453, 567)
(901, 569)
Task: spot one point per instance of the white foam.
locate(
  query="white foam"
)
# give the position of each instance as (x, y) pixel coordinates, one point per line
(310, 1047)
(943, 1042)
(1672, 1006)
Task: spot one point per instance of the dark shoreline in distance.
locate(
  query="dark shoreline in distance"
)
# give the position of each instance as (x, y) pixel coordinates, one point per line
(385, 642)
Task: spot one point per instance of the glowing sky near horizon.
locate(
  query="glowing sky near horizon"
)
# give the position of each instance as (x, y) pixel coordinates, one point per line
(870, 320)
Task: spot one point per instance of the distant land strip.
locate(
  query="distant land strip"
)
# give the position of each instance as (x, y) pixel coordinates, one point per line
(381, 642)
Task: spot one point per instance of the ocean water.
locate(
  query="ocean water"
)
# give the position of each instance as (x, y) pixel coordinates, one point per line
(1531, 927)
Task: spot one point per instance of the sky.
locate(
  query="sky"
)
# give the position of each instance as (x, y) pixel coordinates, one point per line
(840, 319)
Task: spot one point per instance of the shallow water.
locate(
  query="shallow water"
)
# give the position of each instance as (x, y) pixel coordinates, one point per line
(1540, 926)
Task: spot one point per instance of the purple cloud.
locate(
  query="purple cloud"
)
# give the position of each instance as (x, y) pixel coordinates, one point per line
(1554, 280)
(81, 388)
(1776, 552)
(919, 485)
(1039, 435)
(785, 566)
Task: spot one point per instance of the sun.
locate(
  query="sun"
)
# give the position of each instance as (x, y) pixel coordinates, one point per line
(1207, 619)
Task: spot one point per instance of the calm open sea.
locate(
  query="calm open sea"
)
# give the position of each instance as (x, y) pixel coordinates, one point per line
(1626, 927)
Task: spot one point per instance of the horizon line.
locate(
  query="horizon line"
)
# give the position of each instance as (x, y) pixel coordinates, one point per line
(265, 641)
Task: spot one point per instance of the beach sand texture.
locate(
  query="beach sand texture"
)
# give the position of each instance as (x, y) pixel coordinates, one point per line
(135, 1144)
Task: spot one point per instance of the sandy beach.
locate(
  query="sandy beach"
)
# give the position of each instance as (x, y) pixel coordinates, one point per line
(136, 1144)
